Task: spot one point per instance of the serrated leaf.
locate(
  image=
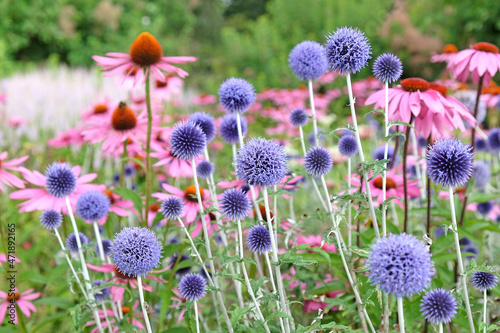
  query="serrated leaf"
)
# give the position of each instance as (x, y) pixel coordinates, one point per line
(278, 314)
(390, 136)
(399, 122)
(327, 287)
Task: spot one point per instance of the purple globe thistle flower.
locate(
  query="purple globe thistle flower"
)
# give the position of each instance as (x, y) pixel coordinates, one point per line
(494, 140)
(307, 60)
(378, 154)
(472, 250)
(387, 68)
(347, 50)
(235, 204)
(92, 205)
(438, 306)
(421, 142)
(236, 95)
(136, 251)
(229, 128)
(129, 171)
(483, 280)
(106, 247)
(180, 271)
(206, 123)
(481, 173)
(401, 265)
(259, 239)
(481, 145)
(464, 241)
(348, 146)
(60, 180)
(51, 219)
(468, 99)
(187, 140)
(101, 294)
(298, 117)
(449, 162)
(205, 169)
(318, 161)
(71, 243)
(261, 163)
(172, 208)
(484, 208)
(193, 287)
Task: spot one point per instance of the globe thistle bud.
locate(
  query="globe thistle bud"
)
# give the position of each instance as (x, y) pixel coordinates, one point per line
(259, 239)
(387, 68)
(92, 205)
(236, 95)
(51, 219)
(187, 140)
(60, 180)
(307, 60)
(193, 287)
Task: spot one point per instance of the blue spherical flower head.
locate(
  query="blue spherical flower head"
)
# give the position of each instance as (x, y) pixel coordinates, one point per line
(472, 251)
(261, 163)
(387, 68)
(307, 60)
(347, 50)
(348, 146)
(494, 140)
(483, 280)
(60, 180)
(481, 173)
(321, 137)
(484, 208)
(378, 154)
(129, 171)
(235, 204)
(187, 140)
(449, 162)
(136, 251)
(464, 241)
(298, 117)
(92, 205)
(401, 265)
(101, 294)
(229, 128)
(206, 123)
(172, 208)
(205, 169)
(72, 245)
(481, 144)
(236, 95)
(106, 247)
(318, 161)
(259, 239)
(438, 306)
(421, 142)
(193, 287)
(51, 219)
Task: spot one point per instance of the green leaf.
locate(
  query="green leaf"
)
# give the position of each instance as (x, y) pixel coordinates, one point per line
(390, 136)
(327, 287)
(482, 197)
(177, 330)
(377, 167)
(55, 301)
(398, 122)
(278, 314)
(171, 249)
(131, 195)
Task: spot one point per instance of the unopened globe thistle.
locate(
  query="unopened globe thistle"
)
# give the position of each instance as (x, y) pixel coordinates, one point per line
(72, 245)
(348, 146)
(481, 173)
(172, 207)
(206, 123)
(483, 280)
(261, 163)
(51, 219)
(235, 204)
(60, 180)
(401, 265)
(298, 117)
(92, 205)
(236, 95)
(193, 287)
(106, 247)
(378, 154)
(187, 140)
(229, 128)
(472, 251)
(387, 68)
(180, 271)
(347, 50)
(204, 169)
(421, 142)
(449, 162)
(438, 306)
(321, 136)
(136, 251)
(129, 170)
(318, 161)
(484, 208)
(101, 294)
(494, 140)
(259, 239)
(481, 144)
(307, 60)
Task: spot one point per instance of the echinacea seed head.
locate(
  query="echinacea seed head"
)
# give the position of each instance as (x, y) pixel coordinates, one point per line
(485, 47)
(415, 84)
(123, 118)
(450, 48)
(145, 50)
(100, 108)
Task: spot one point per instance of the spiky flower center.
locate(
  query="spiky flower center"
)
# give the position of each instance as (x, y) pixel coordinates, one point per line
(450, 48)
(145, 50)
(390, 183)
(414, 84)
(100, 109)
(190, 193)
(485, 47)
(123, 118)
(110, 195)
(440, 88)
(13, 298)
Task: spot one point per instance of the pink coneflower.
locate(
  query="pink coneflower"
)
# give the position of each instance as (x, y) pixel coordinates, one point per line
(99, 110)
(449, 52)
(191, 207)
(126, 316)
(3, 258)
(21, 300)
(418, 99)
(315, 241)
(318, 301)
(71, 138)
(204, 99)
(14, 165)
(145, 53)
(119, 206)
(174, 167)
(179, 301)
(481, 60)
(40, 199)
(239, 185)
(16, 121)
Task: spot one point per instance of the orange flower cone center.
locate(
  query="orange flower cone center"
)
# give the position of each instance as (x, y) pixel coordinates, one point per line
(450, 48)
(154, 207)
(120, 275)
(460, 190)
(262, 210)
(414, 84)
(492, 89)
(132, 70)
(145, 50)
(13, 298)
(485, 47)
(123, 118)
(390, 183)
(160, 84)
(125, 309)
(190, 193)
(100, 108)
(110, 195)
(439, 87)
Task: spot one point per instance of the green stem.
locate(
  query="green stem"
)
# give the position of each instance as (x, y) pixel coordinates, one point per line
(148, 148)
(20, 320)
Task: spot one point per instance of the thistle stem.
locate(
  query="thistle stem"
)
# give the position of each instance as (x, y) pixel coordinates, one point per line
(440, 327)
(196, 317)
(405, 175)
(485, 303)
(349, 205)
(313, 111)
(143, 304)
(386, 150)
(148, 147)
(401, 315)
(99, 241)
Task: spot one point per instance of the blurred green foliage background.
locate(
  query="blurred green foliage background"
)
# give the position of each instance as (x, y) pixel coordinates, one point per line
(250, 38)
